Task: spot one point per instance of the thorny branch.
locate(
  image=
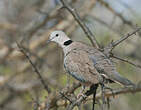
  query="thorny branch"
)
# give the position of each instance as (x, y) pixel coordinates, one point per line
(114, 44)
(35, 68)
(52, 101)
(107, 94)
(76, 16)
(115, 92)
(108, 49)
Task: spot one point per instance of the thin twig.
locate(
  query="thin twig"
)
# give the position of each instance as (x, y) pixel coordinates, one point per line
(76, 103)
(76, 16)
(52, 103)
(35, 68)
(108, 49)
(65, 97)
(114, 44)
(127, 61)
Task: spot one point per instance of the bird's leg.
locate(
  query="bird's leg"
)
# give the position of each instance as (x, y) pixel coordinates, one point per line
(94, 94)
(103, 96)
(103, 87)
(81, 92)
(89, 92)
(92, 90)
(108, 103)
(103, 93)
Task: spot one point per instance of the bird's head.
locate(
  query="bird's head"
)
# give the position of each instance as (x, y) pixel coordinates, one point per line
(59, 37)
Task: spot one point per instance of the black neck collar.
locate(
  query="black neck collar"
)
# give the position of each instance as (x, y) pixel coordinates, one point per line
(68, 42)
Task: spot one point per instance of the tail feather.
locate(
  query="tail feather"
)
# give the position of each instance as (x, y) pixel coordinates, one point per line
(123, 81)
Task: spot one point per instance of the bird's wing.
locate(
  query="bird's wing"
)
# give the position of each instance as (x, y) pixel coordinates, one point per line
(80, 66)
(102, 63)
(106, 67)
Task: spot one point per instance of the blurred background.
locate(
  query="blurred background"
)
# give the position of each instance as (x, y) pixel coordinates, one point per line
(30, 22)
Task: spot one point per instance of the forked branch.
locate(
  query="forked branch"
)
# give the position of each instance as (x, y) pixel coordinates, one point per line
(112, 45)
(115, 92)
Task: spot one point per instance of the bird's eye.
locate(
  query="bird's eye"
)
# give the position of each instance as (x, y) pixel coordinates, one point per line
(57, 35)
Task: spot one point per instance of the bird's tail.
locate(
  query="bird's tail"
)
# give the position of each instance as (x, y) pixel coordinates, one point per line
(123, 81)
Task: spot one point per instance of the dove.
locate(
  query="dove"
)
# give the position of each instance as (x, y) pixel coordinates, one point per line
(86, 63)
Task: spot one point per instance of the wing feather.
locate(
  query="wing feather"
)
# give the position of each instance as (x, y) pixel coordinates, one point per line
(79, 65)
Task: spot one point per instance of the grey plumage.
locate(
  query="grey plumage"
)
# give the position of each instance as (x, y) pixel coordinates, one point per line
(87, 64)
(80, 66)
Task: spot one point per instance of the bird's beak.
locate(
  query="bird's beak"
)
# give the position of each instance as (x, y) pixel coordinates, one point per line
(48, 41)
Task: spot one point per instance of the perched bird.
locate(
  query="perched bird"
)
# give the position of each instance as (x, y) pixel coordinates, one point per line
(87, 64)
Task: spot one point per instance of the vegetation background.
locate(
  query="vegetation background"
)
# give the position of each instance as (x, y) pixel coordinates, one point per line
(30, 22)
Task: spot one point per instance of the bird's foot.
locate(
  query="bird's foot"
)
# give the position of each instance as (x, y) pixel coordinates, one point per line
(103, 93)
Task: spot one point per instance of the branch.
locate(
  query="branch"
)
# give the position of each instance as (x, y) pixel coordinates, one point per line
(66, 97)
(35, 68)
(125, 90)
(124, 60)
(54, 98)
(108, 49)
(76, 16)
(135, 89)
(114, 44)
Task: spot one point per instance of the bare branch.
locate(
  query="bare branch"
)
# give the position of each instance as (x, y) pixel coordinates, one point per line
(125, 60)
(76, 16)
(114, 44)
(125, 90)
(135, 89)
(65, 97)
(35, 68)
(108, 49)
(56, 97)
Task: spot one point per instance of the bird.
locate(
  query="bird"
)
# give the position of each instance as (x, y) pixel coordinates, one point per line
(86, 63)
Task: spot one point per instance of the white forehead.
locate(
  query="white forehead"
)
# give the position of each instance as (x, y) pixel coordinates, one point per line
(59, 37)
